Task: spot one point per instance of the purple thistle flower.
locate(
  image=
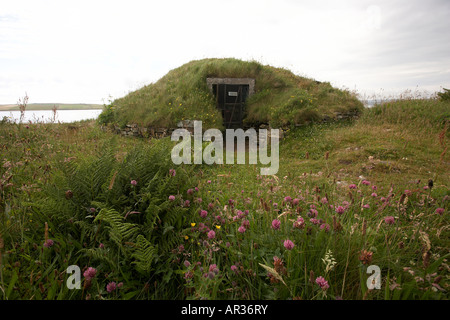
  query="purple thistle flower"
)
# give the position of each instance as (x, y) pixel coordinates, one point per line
(300, 223)
(323, 284)
(276, 224)
(389, 220)
(213, 268)
(245, 223)
(340, 209)
(49, 243)
(440, 211)
(203, 213)
(110, 287)
(90, 273)
(241, 229)
(211, 234)
(288, 244)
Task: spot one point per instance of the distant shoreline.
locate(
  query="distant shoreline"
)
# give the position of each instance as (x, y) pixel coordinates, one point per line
(50, 106)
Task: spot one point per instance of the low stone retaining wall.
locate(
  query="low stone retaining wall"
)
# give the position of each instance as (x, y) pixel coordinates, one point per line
(136, 131)
(154, 132)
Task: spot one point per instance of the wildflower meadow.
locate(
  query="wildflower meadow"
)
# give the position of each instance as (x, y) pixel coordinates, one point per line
(350, 197)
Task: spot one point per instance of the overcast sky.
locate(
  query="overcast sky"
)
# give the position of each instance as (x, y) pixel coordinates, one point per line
(88, 51)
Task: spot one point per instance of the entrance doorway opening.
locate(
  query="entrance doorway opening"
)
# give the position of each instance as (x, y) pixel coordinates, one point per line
(231, 94)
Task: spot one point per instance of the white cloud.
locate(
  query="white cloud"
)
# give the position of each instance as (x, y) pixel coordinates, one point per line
(84, 51)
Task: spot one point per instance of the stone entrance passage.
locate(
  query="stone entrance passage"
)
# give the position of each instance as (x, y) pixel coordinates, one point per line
(231, 94)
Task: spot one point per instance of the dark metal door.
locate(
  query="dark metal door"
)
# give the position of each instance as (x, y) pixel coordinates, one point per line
(230, 100)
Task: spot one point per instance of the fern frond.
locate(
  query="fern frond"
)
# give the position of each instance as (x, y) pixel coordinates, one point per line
(120, 231)
(87, 229)
(144, 255)
(98, 254)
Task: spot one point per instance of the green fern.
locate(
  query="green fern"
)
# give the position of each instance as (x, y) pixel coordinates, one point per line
(119, 231)
(103, 194)
(87, 229)
(144, 255)
(88, 178)
(99, 255)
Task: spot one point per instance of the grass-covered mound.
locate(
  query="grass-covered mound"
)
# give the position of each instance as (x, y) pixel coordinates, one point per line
(281, 98)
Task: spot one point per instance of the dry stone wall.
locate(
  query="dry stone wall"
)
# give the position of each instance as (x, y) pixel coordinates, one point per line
(154, 132)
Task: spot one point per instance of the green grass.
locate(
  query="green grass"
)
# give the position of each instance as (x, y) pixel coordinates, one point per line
(50, 106)
(281, 98)
(146, 238)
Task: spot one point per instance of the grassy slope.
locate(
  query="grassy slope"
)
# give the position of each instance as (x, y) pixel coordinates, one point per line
(394, 142)
(50, 106)
(281, 97)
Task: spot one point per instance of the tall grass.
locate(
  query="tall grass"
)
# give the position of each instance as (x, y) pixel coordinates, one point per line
(22, 103)
(348, 195)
